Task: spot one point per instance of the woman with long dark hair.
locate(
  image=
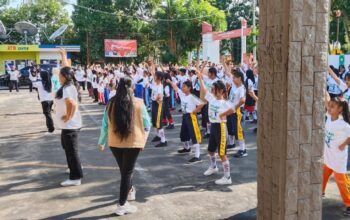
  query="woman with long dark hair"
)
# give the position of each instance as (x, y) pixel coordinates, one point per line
(126, 124)
(68, 118)
(44, 87)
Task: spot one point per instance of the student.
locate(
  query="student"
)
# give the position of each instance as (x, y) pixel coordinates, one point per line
(89, 78)
(208, 80)
(95, 85)
(332, 86)
(344, 87)
(14, 77)
(126, 124)
(166, 103)
(68, 118)
(101, 89)
(157, 106)
(237, 97)
(190, 105)
(218, 110)
(44, 87)
(337, 139)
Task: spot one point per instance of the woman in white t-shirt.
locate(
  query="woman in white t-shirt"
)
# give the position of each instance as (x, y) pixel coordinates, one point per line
(44, 87)
(68, 118)
(337, 139)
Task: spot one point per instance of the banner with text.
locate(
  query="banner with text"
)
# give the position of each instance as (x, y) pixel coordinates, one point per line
(120, 48)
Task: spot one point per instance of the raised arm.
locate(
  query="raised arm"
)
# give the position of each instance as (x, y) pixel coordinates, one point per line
(64, 59)
(203, 90)
(173, 85)
(333, 75)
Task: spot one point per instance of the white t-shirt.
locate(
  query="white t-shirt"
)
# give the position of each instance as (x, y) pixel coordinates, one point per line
(43, 94)
(209, 82)
(69, 92)
(236, 94)
(94, 81)
(112, 94)
(256, 84)
(216, 107)
(157, 90)
(79, 76)
(336, 133)
(167, 91)
(14, 75)
(333, 87)
(188, 102)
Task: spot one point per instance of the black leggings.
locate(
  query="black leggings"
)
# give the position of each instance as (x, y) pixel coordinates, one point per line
(95, 91)
(69, 140)
(126, 159)
(47, 108)
(166, 110)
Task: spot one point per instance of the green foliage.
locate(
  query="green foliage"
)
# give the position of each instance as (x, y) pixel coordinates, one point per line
(344, 24)
(48, 15)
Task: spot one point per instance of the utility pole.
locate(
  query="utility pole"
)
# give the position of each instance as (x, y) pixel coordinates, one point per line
(254, 28)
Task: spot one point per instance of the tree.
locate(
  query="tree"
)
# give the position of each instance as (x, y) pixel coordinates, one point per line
(185, 35)
(47, 15)
(344, 23)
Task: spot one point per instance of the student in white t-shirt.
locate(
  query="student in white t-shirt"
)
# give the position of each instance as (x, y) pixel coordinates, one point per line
(219, 108)
(44, 88)
(337, 139)
(14, 77)
(237, 97)
(68, 118)
(190, 105)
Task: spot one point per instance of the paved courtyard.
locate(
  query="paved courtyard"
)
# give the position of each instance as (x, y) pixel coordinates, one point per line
(32, 164)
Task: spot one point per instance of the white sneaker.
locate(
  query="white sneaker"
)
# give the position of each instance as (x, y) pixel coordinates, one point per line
(132, 194)
(211, 171)
(125, 209)
(71, 182)
(224, 181)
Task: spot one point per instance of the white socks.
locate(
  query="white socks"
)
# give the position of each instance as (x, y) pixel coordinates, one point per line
(186, 145)
(197, 148)
(212, 161)
(231, 140)
(208, 128)
(161, 135)
(241, 145)
(226, 166)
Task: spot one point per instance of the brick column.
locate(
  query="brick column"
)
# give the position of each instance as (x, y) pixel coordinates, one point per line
(292, 57)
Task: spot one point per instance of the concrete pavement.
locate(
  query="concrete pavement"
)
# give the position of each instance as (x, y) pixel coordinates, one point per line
(32, 164)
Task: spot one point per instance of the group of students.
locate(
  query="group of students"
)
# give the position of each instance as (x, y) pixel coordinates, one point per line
(217, 92)
(337, 132)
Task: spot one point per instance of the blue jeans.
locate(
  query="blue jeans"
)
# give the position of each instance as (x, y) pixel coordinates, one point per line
(146, 97)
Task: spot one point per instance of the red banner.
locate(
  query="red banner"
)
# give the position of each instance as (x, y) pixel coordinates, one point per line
(120, 48)
(231, 34)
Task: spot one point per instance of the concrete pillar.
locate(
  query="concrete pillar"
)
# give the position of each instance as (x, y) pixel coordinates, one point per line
(292, 62)
(211, 48)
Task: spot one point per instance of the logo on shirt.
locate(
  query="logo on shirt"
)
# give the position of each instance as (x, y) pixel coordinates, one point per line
(329, 138)
(214, 110)
(184, 107)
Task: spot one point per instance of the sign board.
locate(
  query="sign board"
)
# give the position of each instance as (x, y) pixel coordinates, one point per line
(120, 48)
(232, 34)
(19, 48)
(341, 60)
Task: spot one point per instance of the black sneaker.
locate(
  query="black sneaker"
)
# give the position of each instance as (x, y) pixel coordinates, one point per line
(164, 144)
(156, 139)
(247, 118)
(347, 211)
(195, 160)
(171, 126)
(231, 146)
(184, 150)
(206, 136)
(241, 153)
